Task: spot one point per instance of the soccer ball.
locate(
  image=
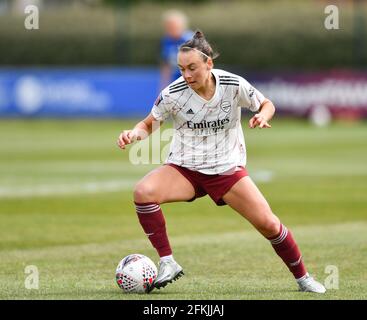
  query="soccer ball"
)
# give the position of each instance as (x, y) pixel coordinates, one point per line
(135, 273)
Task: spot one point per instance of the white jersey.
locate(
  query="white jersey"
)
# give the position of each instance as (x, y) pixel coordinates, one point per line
(208, 135)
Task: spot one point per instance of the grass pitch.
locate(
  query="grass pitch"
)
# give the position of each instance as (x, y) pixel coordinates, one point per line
(66, 207)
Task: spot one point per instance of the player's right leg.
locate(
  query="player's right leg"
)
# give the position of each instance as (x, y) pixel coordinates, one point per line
(162, 185)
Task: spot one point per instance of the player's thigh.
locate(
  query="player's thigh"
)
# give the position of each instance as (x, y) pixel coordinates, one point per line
(247, 200)
(164, 184)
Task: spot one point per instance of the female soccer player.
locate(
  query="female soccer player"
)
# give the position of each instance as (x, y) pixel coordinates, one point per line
(207, 157)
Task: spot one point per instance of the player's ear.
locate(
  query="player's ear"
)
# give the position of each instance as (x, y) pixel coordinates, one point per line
(209, 63)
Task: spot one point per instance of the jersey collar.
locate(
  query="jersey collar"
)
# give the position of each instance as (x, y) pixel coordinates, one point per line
(215, 92)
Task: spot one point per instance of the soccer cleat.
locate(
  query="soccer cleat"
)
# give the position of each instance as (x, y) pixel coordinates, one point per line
(309, 284)
(169, 271)
(149, 287)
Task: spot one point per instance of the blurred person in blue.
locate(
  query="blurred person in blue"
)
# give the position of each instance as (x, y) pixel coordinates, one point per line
(175, 34)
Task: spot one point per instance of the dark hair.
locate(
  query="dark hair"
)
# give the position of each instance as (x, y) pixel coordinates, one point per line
(199, 43)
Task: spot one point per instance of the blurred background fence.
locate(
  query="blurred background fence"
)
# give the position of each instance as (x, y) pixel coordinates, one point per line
(94, 47)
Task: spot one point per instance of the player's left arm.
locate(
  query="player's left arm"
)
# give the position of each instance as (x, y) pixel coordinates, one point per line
(265, 114)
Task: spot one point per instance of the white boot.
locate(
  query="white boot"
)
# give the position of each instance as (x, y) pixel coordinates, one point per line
(309, 284)
(169, 270)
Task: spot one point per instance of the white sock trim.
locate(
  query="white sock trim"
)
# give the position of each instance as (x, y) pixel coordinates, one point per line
(303, 278)
(167, 258)
(281, 237)
(150, 208)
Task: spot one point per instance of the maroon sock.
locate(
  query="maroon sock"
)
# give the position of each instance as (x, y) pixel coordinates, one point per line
(152, 220)
(286, 248)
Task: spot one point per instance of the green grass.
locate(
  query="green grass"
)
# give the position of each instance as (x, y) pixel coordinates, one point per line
(66, 207)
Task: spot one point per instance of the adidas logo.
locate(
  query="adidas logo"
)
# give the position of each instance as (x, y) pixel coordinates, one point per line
(189, 111)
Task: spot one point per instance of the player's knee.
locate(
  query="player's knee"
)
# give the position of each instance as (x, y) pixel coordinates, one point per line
(270, 227)
(144, 192)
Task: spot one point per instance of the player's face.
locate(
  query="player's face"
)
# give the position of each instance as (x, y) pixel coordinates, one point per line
(194, 69)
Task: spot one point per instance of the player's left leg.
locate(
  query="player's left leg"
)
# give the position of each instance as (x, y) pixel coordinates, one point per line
(245, 198)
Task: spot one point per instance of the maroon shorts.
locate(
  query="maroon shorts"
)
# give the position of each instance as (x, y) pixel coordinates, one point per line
(216, 185)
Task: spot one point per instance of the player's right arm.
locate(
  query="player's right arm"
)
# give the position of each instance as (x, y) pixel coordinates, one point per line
(160, 112)
(141, 131)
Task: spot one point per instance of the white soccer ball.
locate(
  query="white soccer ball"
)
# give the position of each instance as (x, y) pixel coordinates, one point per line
(135, 273)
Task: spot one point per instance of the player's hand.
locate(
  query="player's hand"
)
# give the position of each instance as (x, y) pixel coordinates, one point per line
(258, 121)
(126, 137)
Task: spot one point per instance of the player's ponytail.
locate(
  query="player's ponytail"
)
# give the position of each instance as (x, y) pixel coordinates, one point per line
(199, 35)
(199, 43)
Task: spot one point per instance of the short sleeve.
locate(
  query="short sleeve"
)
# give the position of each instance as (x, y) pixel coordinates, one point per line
(249, 97)
(162, 107)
